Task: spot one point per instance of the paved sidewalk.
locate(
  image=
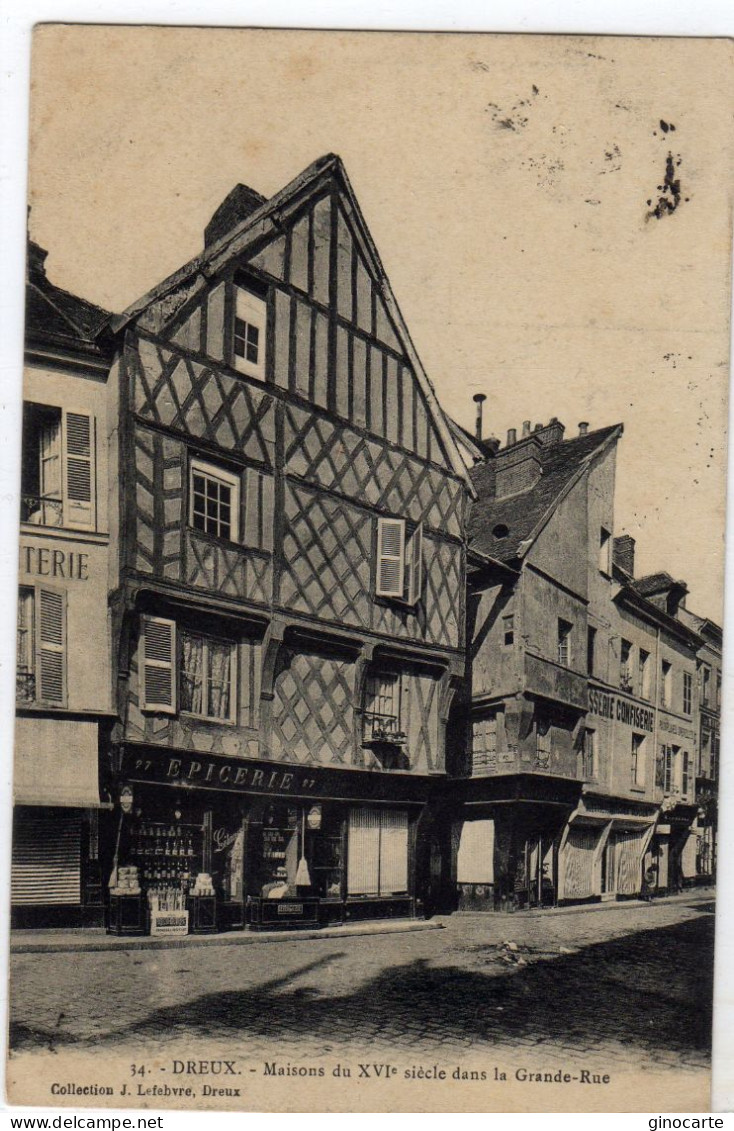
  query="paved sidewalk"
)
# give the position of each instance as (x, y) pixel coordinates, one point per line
(93, 939)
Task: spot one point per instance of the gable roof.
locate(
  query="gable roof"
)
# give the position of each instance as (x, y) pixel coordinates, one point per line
(526, 513)
(266, 221)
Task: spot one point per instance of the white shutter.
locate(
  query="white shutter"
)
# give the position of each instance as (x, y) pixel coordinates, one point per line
(414, 555)
(158, 665)
(390, 557)
(363, 853)
(393, 852)
(51, 636)
(78, 464)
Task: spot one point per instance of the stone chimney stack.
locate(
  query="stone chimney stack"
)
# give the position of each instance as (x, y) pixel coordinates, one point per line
(511, 437)
(624, 553)
(525, 428)
(583, 427)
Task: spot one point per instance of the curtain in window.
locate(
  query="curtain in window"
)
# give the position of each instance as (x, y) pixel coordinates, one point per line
(393, 851)
(378, 852)
(220, 674)
(192, 674)
(364, 852)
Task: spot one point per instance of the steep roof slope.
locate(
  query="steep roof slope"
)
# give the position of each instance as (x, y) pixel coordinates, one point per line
(262, 221)
(58, 317)
(524, 514)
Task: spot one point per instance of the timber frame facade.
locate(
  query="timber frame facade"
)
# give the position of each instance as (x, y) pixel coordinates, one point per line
(288, 607)
(357, 664)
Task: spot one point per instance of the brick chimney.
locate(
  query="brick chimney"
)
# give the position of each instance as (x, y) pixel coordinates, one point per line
(518, 467)
(552, 433)
(624, 553)
(241, 203)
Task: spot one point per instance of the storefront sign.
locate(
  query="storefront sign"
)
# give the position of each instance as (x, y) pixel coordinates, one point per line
(608, 706)
(42, 561)
(240, 775)
(675, 728)
(223, 839)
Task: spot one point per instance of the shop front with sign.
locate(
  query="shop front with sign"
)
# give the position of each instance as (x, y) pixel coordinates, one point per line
(214, 843)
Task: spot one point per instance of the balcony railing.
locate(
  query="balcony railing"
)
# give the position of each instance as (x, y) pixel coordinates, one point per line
(383, 728)
(25, 687)
(41, 511)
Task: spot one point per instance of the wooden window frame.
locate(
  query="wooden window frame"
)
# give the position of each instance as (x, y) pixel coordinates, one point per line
(207, 639)
(251, 310)
(223, 477)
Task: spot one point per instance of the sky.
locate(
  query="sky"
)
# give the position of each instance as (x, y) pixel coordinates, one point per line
(554, 214)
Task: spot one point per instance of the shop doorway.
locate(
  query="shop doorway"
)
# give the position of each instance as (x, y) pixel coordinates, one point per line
(540, 871)
(609, 868)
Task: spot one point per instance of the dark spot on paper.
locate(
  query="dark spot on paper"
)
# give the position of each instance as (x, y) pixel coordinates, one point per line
(669, 190)
(535, 89)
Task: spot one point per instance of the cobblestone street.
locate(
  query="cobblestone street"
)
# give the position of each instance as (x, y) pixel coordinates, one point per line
(607, 987)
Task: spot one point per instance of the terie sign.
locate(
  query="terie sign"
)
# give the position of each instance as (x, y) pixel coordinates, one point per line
(623, 710)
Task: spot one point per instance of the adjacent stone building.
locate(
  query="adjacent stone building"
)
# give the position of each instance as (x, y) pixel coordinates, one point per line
(64, 708)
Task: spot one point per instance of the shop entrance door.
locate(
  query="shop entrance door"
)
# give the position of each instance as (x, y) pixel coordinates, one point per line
(539, 871)
(609, 866)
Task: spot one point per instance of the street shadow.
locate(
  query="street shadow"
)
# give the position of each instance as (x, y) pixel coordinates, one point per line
(651, 991)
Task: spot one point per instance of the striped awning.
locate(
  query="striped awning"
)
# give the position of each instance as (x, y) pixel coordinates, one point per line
(57, 763)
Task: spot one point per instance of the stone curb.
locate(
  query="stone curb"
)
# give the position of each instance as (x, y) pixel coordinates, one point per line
(103, 942)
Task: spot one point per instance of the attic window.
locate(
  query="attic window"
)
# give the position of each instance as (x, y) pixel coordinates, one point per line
(248, 333)
(500, 530)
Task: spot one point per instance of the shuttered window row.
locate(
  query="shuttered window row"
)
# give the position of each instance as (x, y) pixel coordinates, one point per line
(378, 852)
(46, 861)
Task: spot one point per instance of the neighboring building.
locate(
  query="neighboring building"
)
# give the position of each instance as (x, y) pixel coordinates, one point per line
(288, 593)
(699, 853)
(581, 721)
(63, 645)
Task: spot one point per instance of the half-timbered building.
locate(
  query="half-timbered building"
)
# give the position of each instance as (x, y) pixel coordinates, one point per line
(288, 590)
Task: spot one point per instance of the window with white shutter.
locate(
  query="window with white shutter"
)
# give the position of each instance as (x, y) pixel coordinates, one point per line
(390, 557)
(51, 644)
(158, 665)
(79, 470)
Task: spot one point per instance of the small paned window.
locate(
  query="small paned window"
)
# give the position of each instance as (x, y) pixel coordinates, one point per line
(248, 333)
(643, 669)
(214, 501)
(638, 767)
(382, 702)
(564, 642)
(508, 630)
(207, 676)
(687, 693)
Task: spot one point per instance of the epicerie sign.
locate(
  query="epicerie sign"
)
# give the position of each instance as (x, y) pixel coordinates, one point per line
(71, 565)
(612, 707)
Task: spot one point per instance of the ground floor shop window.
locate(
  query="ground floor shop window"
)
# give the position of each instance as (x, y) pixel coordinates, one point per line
(300, 847)
(378, 852)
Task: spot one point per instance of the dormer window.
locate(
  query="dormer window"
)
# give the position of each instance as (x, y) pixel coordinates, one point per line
(248, 333)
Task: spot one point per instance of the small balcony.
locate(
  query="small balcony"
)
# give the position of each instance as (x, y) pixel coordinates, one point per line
(40, 510)
(25, 687)
(554, 681)
(383, 730)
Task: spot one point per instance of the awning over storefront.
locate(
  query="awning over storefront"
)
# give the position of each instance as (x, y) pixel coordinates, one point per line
(56, 763)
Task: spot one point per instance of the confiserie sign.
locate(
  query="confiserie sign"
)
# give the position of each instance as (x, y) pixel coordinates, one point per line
(613, 707)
